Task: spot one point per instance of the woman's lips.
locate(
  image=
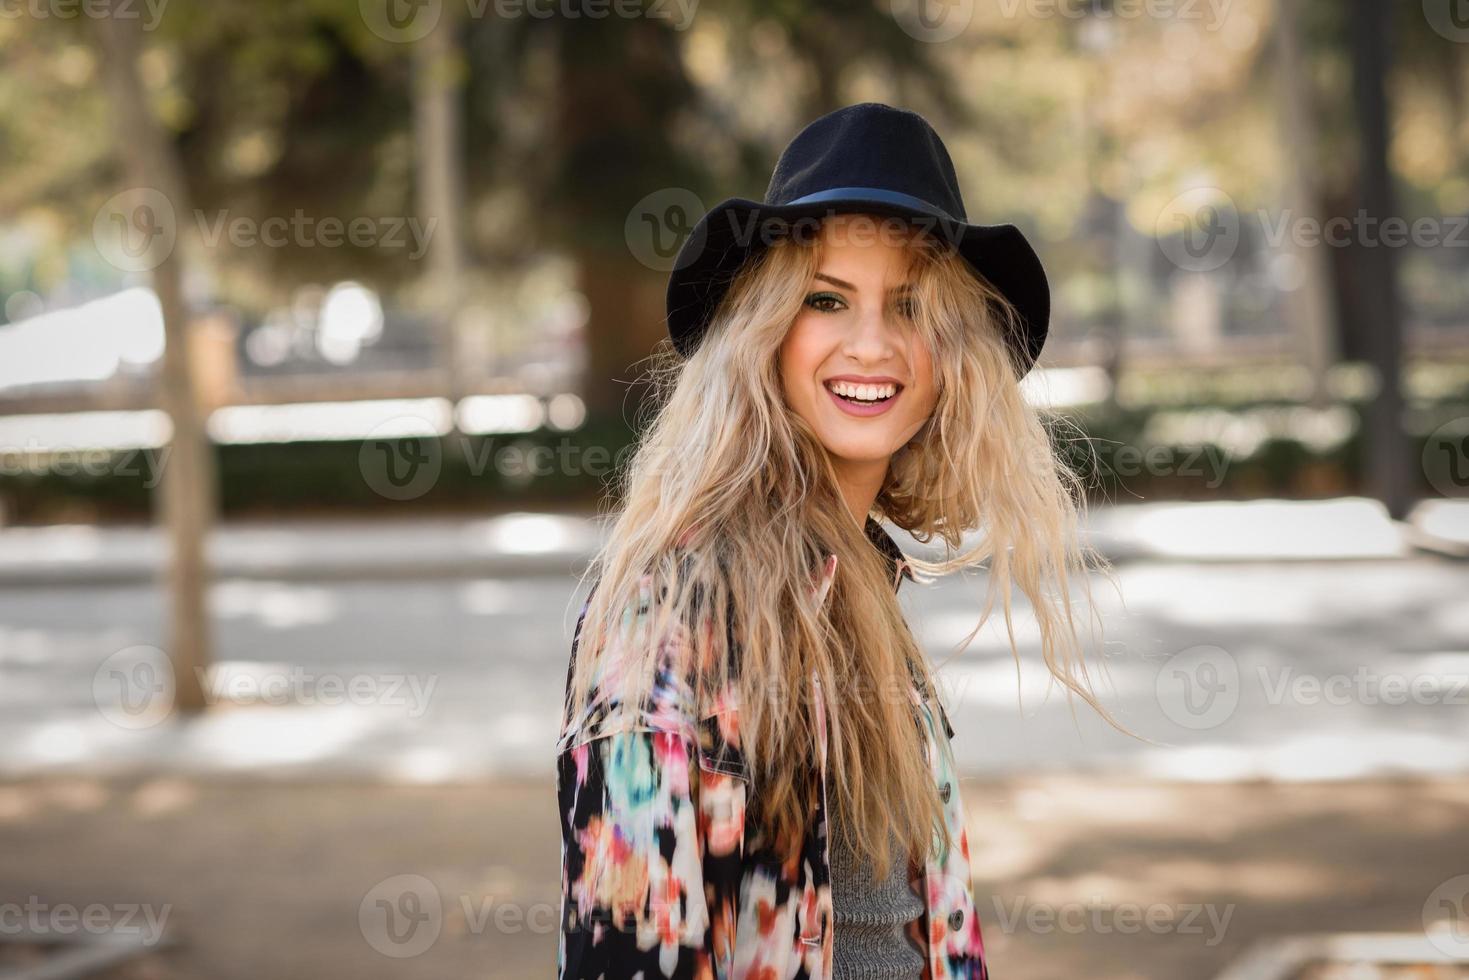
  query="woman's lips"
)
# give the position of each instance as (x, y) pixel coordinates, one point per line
(862, 411)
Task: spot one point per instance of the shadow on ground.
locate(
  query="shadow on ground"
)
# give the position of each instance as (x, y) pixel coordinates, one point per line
(1074, 876)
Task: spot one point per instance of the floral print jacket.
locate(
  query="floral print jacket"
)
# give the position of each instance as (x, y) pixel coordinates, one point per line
(660, 877)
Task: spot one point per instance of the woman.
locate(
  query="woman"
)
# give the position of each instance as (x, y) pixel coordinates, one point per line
(755, 775)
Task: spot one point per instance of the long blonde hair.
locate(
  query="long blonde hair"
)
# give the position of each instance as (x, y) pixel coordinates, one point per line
(730, 503)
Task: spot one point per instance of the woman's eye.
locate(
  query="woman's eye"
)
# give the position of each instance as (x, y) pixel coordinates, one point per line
(815, 301)
(908, 308)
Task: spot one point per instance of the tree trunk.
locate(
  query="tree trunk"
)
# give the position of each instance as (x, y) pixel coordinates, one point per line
(438, 84)
(186, 500)
(1310, 303)
(620, 96)
(627, 306)
(1388, 459)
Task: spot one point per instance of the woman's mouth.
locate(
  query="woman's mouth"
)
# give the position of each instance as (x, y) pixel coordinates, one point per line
(863, 400)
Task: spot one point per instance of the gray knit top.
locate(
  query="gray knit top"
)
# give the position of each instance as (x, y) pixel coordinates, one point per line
(870, 941)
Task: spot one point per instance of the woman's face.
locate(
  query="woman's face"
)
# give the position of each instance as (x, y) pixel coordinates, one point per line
(853, 365)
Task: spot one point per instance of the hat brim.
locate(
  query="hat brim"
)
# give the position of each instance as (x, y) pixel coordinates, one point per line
(736, 228)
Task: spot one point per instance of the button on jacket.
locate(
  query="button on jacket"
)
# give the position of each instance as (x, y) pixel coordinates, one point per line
(661, 877)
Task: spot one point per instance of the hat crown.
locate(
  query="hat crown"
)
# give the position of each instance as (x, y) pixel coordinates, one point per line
(868, 145)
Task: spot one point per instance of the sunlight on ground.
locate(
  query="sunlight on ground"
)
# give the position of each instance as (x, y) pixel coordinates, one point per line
(525, 533)
(1348, 754)
(1352, 527)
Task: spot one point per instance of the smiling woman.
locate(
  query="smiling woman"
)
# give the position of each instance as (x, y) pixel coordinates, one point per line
(754, 766)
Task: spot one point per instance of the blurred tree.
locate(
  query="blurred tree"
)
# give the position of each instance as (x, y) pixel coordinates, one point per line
(837, 46)
(1309, 303)
(620, 96)
(1387, 444)
(438, 108)
(566, 124)
(188, 493)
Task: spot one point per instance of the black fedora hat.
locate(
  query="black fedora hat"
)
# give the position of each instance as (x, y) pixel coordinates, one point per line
(869, 158)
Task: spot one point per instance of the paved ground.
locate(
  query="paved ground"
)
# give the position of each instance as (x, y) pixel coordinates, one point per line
(1295, 670)
(1305, 698)
(1125, 879)
(557, 544)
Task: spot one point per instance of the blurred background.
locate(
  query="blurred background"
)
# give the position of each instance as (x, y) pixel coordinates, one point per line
(320, 347)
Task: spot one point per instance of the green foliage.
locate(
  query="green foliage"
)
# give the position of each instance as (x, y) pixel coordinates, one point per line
(1117, 451)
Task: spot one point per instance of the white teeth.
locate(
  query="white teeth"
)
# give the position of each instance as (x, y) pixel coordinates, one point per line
(866, 393)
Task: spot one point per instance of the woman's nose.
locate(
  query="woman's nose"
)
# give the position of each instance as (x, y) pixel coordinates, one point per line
(873, 333)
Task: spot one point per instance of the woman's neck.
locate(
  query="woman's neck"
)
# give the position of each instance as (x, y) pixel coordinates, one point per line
(859, 482)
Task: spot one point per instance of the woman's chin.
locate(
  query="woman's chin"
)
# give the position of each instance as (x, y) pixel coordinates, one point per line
(857, 447)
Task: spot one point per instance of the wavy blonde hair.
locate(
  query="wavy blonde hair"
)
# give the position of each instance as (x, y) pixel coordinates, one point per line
(730, 502)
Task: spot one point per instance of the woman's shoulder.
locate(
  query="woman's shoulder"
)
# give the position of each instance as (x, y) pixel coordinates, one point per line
(649, 669)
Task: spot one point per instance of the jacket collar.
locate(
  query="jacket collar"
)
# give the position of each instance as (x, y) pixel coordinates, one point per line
(879, 536)
(897, 564)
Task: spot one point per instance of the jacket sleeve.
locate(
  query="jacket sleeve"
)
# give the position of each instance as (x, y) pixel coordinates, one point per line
(651, 848)
(652, 819)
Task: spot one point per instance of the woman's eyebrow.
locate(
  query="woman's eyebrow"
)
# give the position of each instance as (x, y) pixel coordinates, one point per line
(906, 287)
